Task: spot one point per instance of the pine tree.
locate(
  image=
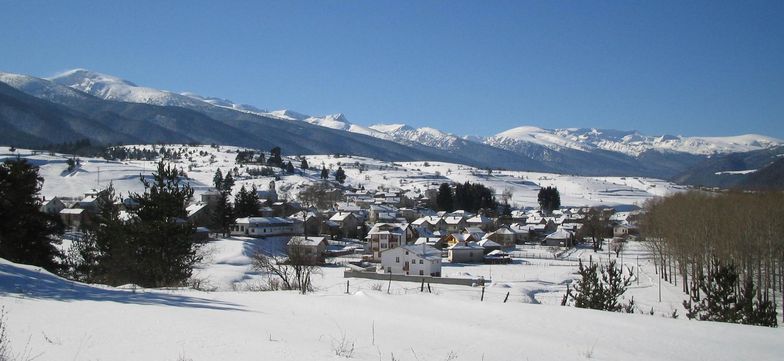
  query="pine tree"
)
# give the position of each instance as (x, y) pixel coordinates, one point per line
(324, 173)
(304, 164)
(720, 302)
(340, 175)
(549, 199)
(247, 203)
(227, 184)
(162, 238)
(217, 179)
(445, 199)
(25, 232)
(289, 167)
(596, 293)
(274, 158)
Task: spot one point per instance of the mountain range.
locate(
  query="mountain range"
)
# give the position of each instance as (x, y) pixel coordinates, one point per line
(106, 109)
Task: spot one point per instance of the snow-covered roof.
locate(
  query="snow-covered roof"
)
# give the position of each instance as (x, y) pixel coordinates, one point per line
(453, 219)
(559, 234)
(480, 219)
(465, 246)
(263, 221)
(195, 207)
(487, 243)
(420, 250)
(307, 241)
(340, 216)
(72, 211)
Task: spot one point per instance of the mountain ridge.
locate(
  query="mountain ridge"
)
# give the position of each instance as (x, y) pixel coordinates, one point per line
(186, 116)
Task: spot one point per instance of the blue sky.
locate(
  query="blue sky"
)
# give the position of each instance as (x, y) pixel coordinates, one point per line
(690, 68)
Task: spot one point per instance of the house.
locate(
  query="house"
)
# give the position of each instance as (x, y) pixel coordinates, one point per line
(489, 245)
(198, 214)
(347, 223)
(503, 236)
(433, 223)
(480, 221)
(211, 197)
(559, 238)
(52, 206)
(420, 260)
(265, 227)
(454, 223)
(623, 231)
(270, 195)
(477, 232)
(311, 221)
(307, 250)
(454, 238)
(435, 242)
(384, 236)
(466, 252)
(74, 217)
(382, 213)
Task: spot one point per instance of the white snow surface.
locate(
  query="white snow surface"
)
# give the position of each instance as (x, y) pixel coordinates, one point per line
(412, 178)
(56, 319)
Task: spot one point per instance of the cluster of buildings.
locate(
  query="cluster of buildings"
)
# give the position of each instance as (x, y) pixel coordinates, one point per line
(401, 240)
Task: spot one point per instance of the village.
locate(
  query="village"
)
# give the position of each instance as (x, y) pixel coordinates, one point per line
(374, 232)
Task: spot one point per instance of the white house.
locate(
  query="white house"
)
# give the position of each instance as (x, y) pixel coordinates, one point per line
(415, 260)
(265, 227)
(466, 252)
(384, 236)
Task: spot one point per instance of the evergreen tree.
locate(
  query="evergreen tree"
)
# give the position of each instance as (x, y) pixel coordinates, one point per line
(304, 164)
(247, 203)
(227, 184)
(445, 199)
(720, 302)
(324, 173)
(26, 234)
(340, 175)
(217, 179)
(549, 199)
(289, 167)
(164, 249)
(599, 294)
(274, 158)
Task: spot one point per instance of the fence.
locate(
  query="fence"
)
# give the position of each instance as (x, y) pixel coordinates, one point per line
(417, 279)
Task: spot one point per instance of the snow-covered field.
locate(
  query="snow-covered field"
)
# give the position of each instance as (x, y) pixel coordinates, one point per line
(413, 178)
(55, 319)
(49, 318)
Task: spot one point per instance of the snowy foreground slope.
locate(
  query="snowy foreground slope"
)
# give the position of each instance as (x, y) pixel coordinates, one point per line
(413, 178)
(57, 319)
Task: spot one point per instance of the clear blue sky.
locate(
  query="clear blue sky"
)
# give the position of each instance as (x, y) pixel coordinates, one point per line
(691, 68)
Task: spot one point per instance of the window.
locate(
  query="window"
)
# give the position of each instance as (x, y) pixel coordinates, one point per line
(397, 259)
(420, 261)
(389, 269)
(421, 272)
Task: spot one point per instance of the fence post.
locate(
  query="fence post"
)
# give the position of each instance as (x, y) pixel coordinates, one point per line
(507, 296)
(483, 294)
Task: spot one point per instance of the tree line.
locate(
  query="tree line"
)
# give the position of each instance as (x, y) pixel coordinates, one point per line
(725, 249)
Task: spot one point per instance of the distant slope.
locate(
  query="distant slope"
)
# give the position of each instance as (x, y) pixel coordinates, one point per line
(767, 178)
(729, 170)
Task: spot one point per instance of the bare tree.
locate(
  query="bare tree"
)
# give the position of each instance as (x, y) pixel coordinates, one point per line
(294, 271)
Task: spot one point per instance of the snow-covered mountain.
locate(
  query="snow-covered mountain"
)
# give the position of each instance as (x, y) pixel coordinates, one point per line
(428, 136)
(130, 114)
(631, 143)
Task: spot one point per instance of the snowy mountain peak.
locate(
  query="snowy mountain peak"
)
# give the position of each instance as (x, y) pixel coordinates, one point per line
(84, 76)
(288, 115)
(627, 142)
